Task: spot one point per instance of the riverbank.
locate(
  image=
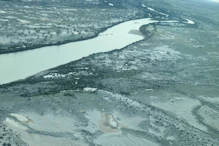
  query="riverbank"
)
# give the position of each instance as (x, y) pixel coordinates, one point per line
(29, 25)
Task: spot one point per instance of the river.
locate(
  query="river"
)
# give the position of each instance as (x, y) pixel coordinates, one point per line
(20, 65)
(16, 66)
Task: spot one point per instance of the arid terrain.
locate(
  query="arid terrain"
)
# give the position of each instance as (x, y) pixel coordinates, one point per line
(159, 91)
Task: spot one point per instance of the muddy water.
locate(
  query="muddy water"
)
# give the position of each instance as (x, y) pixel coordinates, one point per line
(15, 66)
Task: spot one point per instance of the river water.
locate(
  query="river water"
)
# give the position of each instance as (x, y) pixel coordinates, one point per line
(16, 66)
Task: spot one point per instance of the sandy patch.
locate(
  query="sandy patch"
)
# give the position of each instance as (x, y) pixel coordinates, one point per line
(108, 123)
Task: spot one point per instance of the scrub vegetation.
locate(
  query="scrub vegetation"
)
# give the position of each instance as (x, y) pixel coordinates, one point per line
(161, 91)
